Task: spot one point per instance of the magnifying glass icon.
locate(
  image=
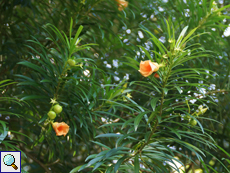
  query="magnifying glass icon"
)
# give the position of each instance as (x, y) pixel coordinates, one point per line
(9, 160)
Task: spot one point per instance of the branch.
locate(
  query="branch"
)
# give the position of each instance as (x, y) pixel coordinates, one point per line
(56, 161)
(35, 159)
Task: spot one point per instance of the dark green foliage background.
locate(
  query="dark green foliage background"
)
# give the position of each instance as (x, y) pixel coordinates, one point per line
(86, 102)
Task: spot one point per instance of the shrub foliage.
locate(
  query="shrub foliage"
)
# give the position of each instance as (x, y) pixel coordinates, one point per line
(79, 62)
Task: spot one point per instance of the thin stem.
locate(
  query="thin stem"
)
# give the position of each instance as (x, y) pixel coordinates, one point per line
(218, 91)
(146, 164)
(60, 80)
(156, 124)
(53, 163)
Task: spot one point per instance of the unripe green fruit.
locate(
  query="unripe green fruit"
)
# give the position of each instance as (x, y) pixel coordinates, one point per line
(51, 115)
(71, 62)
(212, 162)
(193, 122)
(57, 109)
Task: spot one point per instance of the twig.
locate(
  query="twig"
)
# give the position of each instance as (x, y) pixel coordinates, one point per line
(36, 160)
(56, 161)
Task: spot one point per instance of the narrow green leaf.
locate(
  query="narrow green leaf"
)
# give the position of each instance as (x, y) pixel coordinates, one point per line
(34, 67)
(107, 135)
(204, 165)
(3, 134)
(43, 118)
(138, 119)
(187, 37)
(102, 145)
(126, 136)
(168, 28)
(127, 122)
(223, 150)
(157, 42)
(92, 156)
(97, 165)
(131, 65)
(82, 167)
(73, 41)
(222, 8)
(174, 131)
(165, 90)
(109, 169)
(46, 80)
(178, 89)
(74, 170)
(153, 114)
(212, 169)
(147, 136)
(41, 139)
(227, 161)
(95, 160)
(119, 162)
(70, 28)
(33, 97)
(181, 36)
(154, 102)
(112, 152)
(136, 164)
(146, 52)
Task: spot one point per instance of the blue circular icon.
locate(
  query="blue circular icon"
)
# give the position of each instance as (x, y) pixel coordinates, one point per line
(8, 159)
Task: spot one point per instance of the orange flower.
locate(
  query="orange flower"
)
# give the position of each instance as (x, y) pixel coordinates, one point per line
(122, 4)
(61, 128)
(156, 75)
(147, 67)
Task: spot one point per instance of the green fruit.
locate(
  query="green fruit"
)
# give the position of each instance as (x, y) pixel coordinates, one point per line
(57, 109)
(212, 162)
(193, 122)
(51, 115)
(71, 62)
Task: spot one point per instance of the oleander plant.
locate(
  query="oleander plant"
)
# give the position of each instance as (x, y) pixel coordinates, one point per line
(119, 86)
